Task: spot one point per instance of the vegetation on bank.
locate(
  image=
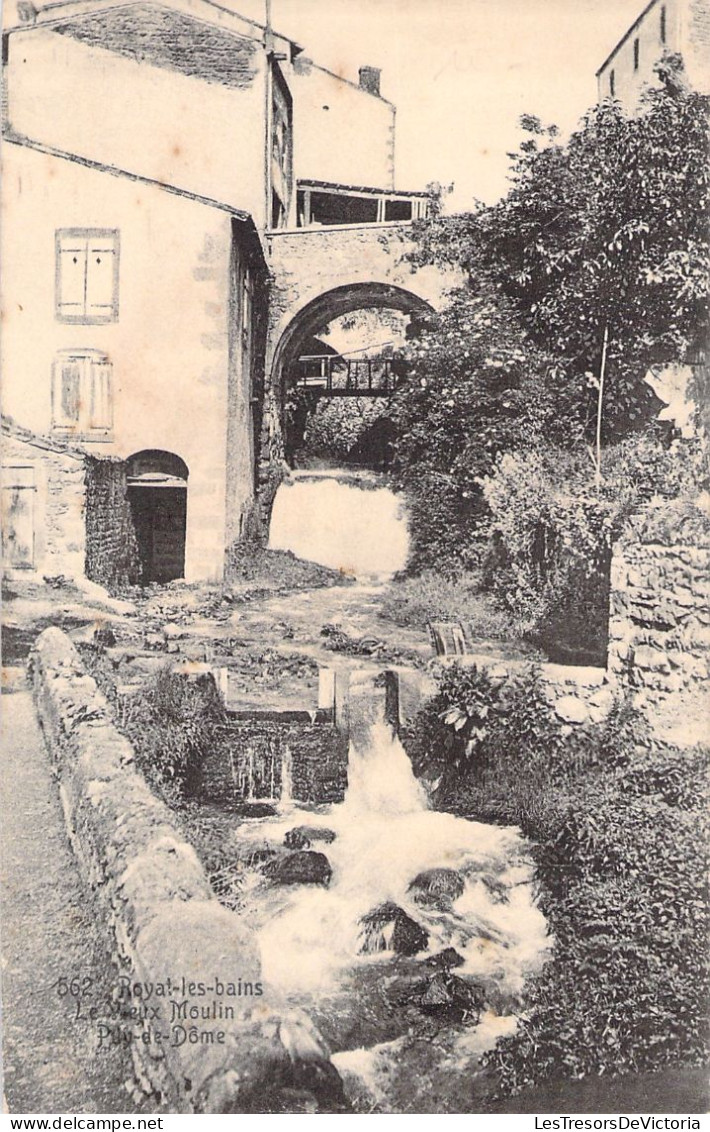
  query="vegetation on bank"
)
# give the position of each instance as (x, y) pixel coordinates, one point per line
(619, 825)
(417, 600)
(526, 429)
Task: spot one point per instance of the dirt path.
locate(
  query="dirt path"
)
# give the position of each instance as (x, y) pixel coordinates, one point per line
(51, 930)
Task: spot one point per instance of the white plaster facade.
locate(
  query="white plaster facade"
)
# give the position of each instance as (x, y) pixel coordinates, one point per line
(165, 132)
(676, 26)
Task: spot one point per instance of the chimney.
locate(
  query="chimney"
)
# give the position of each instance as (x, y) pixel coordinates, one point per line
(370, 80)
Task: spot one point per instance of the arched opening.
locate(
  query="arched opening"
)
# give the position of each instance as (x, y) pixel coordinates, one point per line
(323, 369)
(335, 369)
(157, 495)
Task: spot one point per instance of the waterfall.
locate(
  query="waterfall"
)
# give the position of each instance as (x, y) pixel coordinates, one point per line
(385, 836)
(380, 777)
(340, 519)
(248, 775)
(286, 796)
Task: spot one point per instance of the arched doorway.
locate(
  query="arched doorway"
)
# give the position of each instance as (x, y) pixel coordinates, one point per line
(157, 495)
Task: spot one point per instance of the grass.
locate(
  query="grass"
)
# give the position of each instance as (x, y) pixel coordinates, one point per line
(412, 602)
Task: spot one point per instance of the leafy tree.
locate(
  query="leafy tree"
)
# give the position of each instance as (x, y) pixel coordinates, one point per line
(606, 232)
(474, 389)
(594, 267)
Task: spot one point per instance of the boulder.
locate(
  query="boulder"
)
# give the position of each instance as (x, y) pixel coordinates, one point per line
(389, 928)
(301, 867)
(499, 892)
(303, 836)
(437, 886)
(105, 636)
(448, 994)
(256, 810)
(444, 960)
(570, 709)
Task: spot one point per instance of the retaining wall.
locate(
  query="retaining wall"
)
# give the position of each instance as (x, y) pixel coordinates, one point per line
(171, 934)
(659, 629)
(316, 755)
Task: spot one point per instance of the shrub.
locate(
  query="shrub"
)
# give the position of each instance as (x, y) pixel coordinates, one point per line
(553, 527)
(172, 724)
(336, 426)
(619, 827)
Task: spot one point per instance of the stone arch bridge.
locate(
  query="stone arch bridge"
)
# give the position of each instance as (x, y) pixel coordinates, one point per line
(321, 273)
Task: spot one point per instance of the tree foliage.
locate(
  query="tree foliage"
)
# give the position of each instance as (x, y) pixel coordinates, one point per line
(602, 237)
(609, 230)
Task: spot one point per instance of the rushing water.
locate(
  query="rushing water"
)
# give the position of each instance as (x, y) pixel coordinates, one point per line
(312, 942)
(341, 519)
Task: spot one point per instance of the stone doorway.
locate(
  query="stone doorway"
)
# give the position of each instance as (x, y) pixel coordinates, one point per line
(157, 494)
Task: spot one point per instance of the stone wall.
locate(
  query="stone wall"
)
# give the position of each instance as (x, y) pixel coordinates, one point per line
(43, 504)
(252, 768)
(577, 694)
(112, 557)
(249, 1056)
(659, 627)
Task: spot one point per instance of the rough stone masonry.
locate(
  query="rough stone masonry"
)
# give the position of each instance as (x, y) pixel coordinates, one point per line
(659, 632)
(178, 951)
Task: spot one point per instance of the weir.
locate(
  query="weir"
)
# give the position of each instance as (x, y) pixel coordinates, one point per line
(407, 881)
(348, 520)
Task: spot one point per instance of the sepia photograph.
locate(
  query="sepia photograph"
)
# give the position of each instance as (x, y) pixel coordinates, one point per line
(356, 560)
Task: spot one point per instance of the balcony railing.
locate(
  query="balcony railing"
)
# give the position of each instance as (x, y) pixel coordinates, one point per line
(331, 375)
(320, 203)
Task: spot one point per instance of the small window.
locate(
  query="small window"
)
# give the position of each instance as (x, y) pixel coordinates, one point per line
(87, 275)
(612, 83)
(82, 395)
(398, 210)
(636, 54)
(663, 24)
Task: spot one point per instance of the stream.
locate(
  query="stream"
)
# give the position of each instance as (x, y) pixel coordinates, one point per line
(411, 953)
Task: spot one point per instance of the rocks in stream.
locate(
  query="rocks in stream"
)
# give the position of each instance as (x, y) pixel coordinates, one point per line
(301, 867)
(437, 887)
(256, 810)
(389, 928)
(450, 995)
(303, 836)
(446, 959)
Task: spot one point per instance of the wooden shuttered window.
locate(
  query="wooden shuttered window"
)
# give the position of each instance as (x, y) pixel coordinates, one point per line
(18, 518)
(82, 395)
(87, 275)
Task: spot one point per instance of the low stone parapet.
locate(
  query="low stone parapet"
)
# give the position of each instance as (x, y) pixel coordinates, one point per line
(205, 1031)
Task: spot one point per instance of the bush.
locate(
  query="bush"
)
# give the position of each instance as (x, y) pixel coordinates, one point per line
(172, 724)
(336, 426)
(553, 527)
(619, 828)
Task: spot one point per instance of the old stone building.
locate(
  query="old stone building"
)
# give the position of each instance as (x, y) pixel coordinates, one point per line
(170, 174)
(679, 27)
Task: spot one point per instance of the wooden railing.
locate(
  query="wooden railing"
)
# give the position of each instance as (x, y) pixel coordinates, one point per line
(331, 375)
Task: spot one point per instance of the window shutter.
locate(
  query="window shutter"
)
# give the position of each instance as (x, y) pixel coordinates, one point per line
(67, 392)
(101, 399)
(71, 276)
(87, 275)
(102, 279)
